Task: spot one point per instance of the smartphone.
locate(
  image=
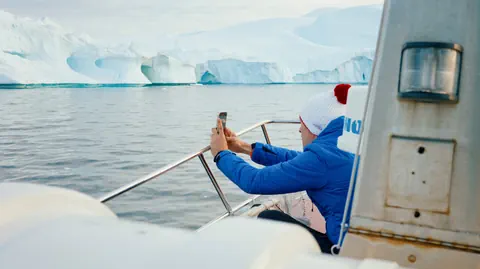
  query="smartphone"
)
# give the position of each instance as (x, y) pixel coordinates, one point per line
(223, 117)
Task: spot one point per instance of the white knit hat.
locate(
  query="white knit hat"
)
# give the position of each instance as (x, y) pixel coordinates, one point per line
(324, 107)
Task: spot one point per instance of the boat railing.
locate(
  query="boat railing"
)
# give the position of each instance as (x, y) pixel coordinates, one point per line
(200, 155)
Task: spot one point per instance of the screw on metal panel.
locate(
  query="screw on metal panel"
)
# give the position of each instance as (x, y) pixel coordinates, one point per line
(416, 214)
(412, 258)
(421, 150)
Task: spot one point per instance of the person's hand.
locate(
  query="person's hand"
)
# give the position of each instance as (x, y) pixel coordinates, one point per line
(229, 133)
(217, 139)
(235, 144)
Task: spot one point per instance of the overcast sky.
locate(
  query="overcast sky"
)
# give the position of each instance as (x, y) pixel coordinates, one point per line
(126, 19)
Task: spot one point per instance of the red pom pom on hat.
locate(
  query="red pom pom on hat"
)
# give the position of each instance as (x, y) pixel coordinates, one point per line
(341, 92)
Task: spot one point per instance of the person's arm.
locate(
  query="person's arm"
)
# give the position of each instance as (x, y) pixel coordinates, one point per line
(267, 155)
(299, 174)
(263, 154)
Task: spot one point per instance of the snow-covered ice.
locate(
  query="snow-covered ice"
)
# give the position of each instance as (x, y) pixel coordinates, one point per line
(356, 70)
(166, 69)
(240, 72)
(326, 45)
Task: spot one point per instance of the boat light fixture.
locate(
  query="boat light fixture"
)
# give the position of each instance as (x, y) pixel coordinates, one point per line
(430, 72)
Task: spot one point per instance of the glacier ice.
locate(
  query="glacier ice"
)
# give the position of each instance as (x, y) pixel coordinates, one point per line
(40, 51)
(356, 70)
(166, 69)
(6, 80)
(353, 27)
(34, 51)
(266, 51)
(302, 44)
(209, 78)
(109, 68)
(233, 71)
(123, 68)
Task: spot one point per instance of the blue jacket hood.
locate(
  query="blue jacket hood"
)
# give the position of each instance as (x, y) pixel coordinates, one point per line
(329, 135)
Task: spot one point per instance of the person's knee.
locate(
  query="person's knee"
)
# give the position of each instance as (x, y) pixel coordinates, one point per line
(271, 214)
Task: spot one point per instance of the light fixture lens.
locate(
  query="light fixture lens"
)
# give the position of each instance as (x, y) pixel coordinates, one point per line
(430, 72)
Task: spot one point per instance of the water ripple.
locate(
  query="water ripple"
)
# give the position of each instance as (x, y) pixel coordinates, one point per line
(69, 162)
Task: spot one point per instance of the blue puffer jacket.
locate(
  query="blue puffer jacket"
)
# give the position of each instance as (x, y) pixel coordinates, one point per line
(322, 169)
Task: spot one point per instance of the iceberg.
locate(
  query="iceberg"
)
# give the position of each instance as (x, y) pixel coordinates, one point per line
(303, 44)
(209, 78)
(124, 69)
(233, 71)
(257, 52)
(317, 76)
(34, 51)
(6, 80)
(166, 69)
(109, 68)
(356, 70)
(40, 51)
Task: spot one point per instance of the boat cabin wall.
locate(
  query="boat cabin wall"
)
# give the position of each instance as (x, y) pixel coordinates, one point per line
(420, 169)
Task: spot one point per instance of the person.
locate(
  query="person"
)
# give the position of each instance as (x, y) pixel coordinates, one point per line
(322, 169)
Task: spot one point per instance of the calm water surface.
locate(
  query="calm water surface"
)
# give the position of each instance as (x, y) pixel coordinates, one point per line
(96, 139)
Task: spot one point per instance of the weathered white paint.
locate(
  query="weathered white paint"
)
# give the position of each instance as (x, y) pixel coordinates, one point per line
(420, 173)
(388, 200)
(409, 255)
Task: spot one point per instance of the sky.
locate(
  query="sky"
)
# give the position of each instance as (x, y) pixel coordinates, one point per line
(123, 20)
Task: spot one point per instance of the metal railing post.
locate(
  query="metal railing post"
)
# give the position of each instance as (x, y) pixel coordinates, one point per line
(234, 210)
(265, 133)
(215, 183)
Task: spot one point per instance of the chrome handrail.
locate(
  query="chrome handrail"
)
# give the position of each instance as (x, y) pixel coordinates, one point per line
(200, 154)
